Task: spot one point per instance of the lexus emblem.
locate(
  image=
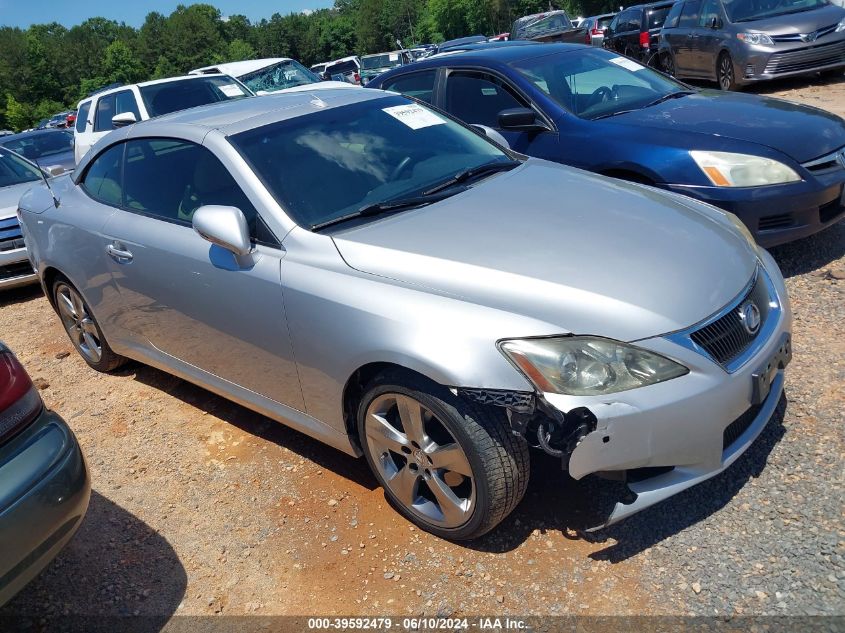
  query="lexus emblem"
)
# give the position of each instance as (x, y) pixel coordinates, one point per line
(749, 314)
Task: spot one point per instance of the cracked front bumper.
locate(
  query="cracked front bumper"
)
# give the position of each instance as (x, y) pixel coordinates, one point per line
(697, 424)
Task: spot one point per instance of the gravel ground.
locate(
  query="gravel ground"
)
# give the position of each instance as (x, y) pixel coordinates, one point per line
(203, 507)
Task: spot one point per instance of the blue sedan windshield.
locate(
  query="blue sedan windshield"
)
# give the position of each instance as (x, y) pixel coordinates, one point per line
(335, 161)
(593, 84)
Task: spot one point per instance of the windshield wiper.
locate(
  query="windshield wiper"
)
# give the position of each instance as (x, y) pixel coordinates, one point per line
(463, 176)
(388, 206)
(670, 95)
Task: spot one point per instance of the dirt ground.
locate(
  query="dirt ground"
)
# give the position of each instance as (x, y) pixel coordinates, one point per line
(203, 507)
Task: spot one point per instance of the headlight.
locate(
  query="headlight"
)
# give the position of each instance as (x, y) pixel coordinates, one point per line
(756, 39)
(726, 169)
(588, 365)
(841, 26)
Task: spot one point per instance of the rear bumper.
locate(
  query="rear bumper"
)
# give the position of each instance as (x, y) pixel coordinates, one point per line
(44, 494)
(781, 213)
(16, 269)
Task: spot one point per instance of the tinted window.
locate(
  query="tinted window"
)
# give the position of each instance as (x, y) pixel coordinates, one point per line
(634, 20)
(35, 146)
(596, 83)
(709, 13)
(477, 98)
(603, 22)
(674, 15)
(286, 74)
(418, 85)
(14, 170)
(656, 17)
(103, 178)
(334, 161)
(172, 96)
(82, 116)
(689, 14)
(187, 176)
(124, 101)
(105, 112)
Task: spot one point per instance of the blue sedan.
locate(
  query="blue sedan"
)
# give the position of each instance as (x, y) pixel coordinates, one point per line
(779, 166)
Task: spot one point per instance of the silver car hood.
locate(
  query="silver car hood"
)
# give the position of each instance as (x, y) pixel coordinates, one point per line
(582, 253)
(9, 197)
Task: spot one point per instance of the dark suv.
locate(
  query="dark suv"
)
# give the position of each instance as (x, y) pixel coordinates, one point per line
(635, 31)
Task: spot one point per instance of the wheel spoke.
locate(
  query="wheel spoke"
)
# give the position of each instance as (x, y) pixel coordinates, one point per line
(450, 457)
(405, 485)
(410, 412)
(453, 508)
(78, 307)
(384, 436)
(66, 305)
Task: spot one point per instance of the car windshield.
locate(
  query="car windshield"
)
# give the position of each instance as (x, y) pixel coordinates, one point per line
(335, 161)
(171, 96)
(748, 10)
(597, 83)
(37, 146)
(14, 170)
(286, 74)
(386, 60)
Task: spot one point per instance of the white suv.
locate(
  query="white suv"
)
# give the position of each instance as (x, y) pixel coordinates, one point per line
(272, 74)
(110, 109)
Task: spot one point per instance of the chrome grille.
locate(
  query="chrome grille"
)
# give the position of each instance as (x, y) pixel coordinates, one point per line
(806, 58)
(11, 237)
(805, 37)
(829, 162)
(726, 338)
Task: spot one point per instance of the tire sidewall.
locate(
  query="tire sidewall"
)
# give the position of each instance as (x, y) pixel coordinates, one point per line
(105, 351)
(443, 405)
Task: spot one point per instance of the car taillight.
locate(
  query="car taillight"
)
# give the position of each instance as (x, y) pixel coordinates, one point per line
(597, 31)
(645, 39)
(19, 400)
(357, 78)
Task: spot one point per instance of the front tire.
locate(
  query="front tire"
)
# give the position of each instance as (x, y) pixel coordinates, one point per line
(82, 328)
(725, 72)
(452, 467)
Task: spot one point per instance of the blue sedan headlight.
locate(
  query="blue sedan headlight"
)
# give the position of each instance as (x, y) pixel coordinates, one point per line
(726, 169)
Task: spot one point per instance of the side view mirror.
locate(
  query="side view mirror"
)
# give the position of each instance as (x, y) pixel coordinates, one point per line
(716, 23)
(123, 119)
(520, 119)
(53, 170)
(224, 226)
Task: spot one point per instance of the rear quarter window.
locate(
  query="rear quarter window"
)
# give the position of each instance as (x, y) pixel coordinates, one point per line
(82, 116)
(656, 17)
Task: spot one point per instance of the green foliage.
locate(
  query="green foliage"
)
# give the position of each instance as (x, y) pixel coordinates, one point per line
(48, 64)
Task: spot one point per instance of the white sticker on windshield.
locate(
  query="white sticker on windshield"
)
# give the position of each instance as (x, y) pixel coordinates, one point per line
(394, 57)
(630, 64)
(232, 90)
(414, 116)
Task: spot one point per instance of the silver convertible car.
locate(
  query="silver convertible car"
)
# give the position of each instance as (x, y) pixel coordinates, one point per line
(377, 275)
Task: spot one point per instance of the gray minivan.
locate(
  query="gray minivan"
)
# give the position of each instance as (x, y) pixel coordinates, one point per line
(737, 42)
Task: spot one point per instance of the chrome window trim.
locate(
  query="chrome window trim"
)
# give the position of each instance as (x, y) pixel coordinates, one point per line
(836, 156)
(684, 338)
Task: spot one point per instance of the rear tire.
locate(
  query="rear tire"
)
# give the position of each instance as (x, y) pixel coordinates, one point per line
(668, 63)
(450, 466)
(725, 72)
(82, 328)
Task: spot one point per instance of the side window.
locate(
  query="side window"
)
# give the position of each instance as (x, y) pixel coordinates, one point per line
(709, 12)
(105, 111)
(614, 24)
(674, 16)
(419, 85)
(478, 98)
(187, 176)
(635, 21)
(125, 102)
(82, 116)
(689, 14)
(103, 179)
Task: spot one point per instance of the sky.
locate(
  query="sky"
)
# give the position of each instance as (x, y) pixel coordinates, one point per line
(23, 13)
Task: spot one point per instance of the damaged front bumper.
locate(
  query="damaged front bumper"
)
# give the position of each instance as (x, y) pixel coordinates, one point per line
(686, 430)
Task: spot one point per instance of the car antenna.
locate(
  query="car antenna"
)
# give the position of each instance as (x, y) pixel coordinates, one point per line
(49, 188)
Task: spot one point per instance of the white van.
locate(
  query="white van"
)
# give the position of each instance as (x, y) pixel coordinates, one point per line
(110, 109)
(272, 74)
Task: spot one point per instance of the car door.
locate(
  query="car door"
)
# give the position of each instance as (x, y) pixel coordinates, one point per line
(709, 38)
(189, 299)
(688, 49)
(671, 35)
(477, 98)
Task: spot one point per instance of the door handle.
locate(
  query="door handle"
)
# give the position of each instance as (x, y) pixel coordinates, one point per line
(119, 255)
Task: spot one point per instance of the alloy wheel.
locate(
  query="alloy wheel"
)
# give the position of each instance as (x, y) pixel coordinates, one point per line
(419, 460)
(78, 323)
(726, 72)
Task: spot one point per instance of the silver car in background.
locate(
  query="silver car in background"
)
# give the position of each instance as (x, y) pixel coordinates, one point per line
(438, 308)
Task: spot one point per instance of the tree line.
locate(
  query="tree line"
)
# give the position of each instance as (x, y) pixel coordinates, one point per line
(48, 68)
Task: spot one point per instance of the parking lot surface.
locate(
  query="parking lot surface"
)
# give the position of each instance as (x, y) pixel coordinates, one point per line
(203, 507)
